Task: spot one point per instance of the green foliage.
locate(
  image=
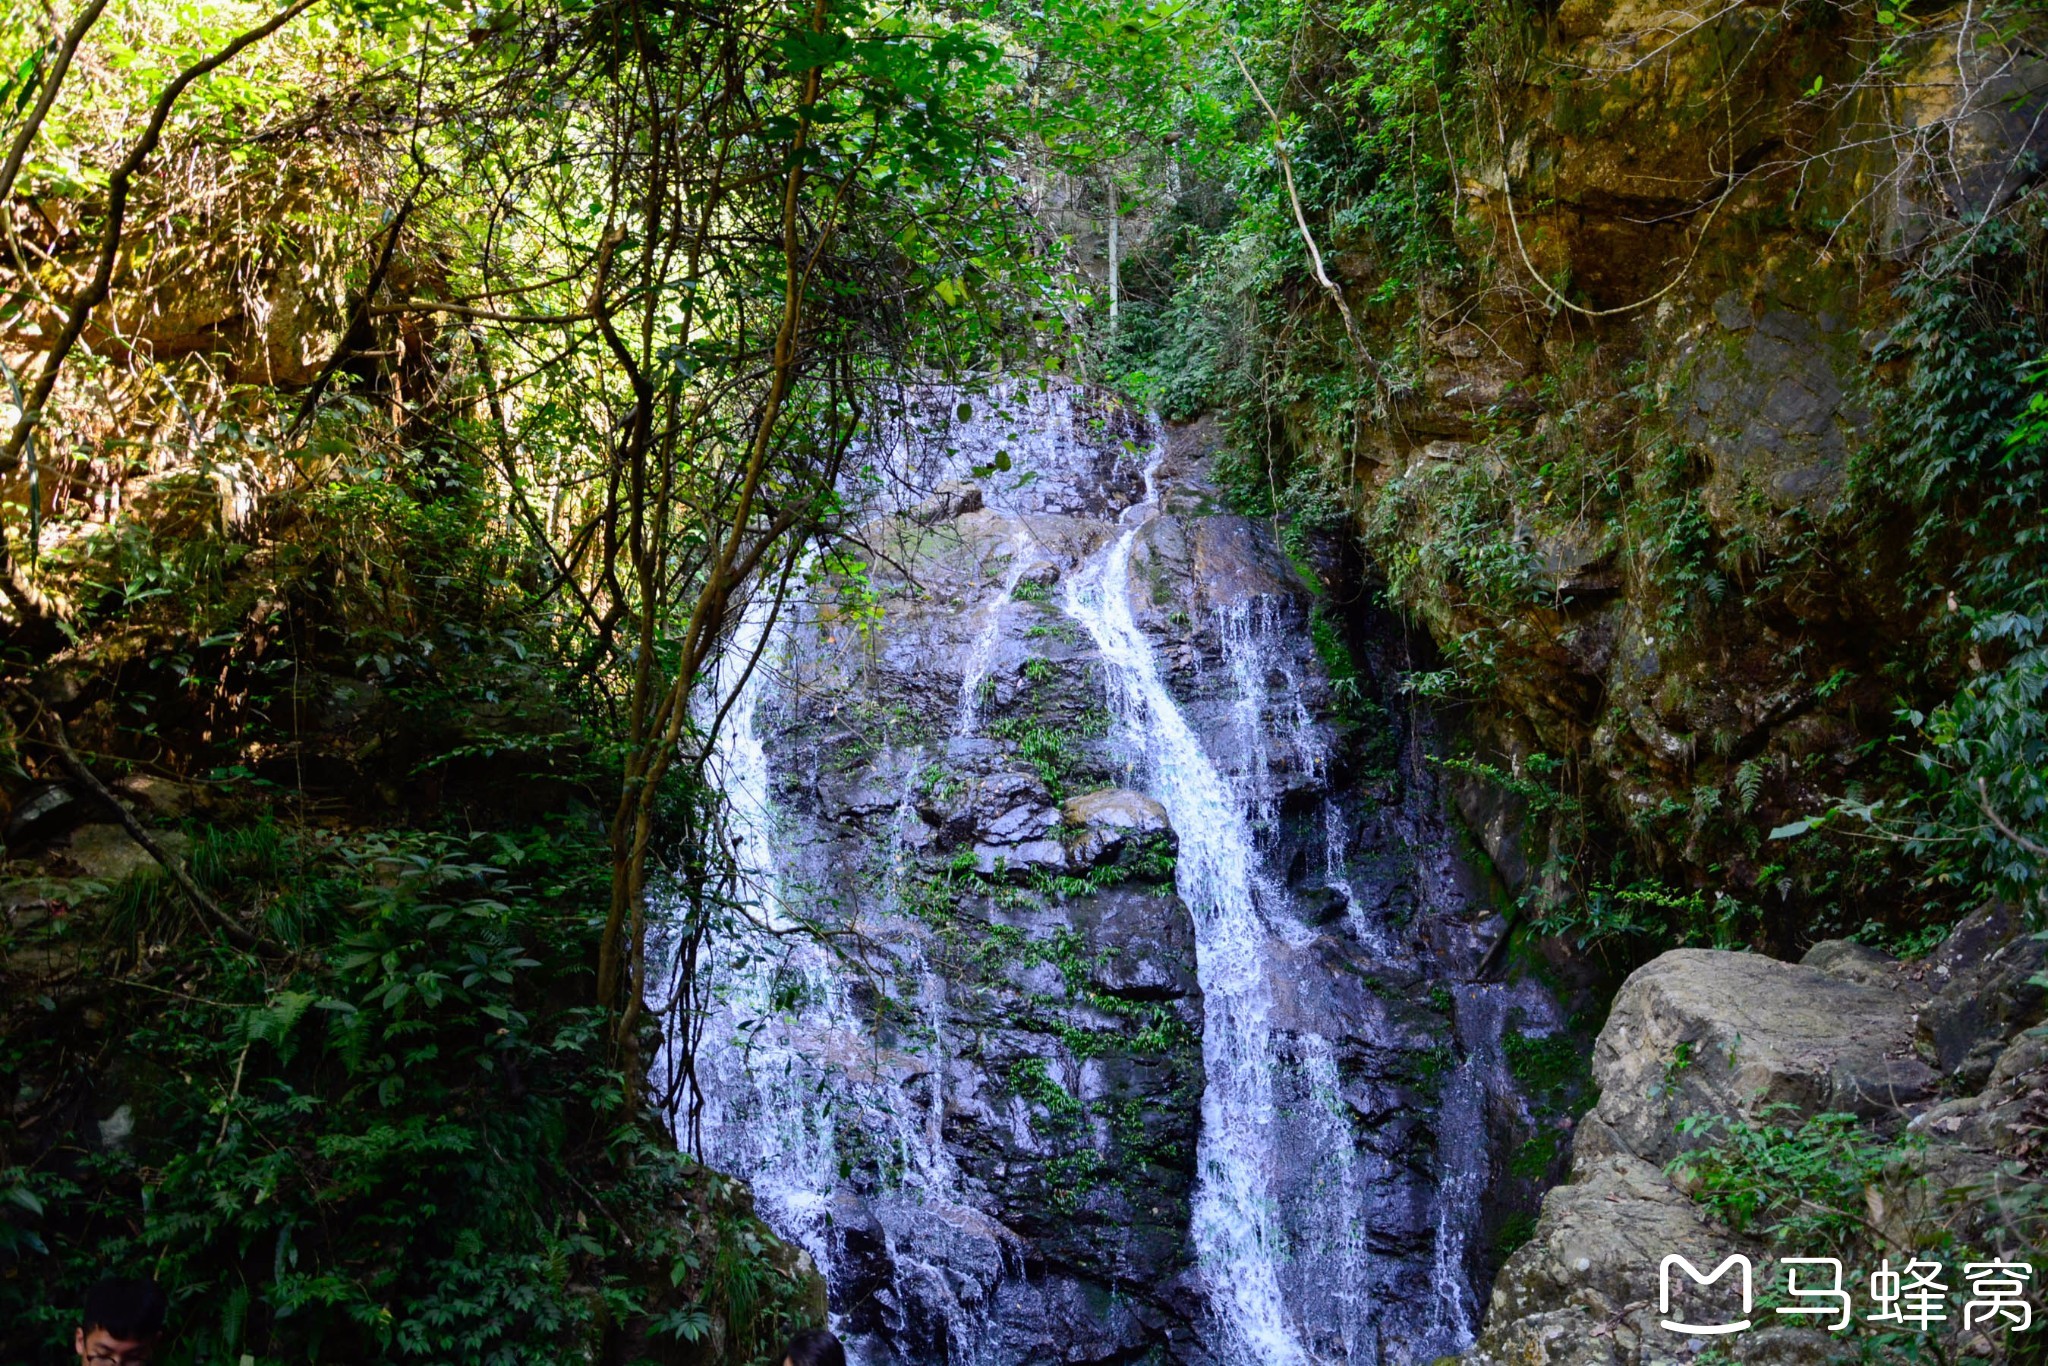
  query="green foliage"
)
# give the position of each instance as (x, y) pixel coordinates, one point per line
(1554, 1074)
(1031, 1080)
(1355, 709)
(1539, 782)
(1968, 440)
(1643, 917)
(1444, 534)
(1153, 863)
(1553, 1070)
(1426, 1068)
(1041, 738)
(402, 1142)
(1515, 1230)
(1986, 755)
(1534, 1158)
(1674, 540)
(1063, 631)
(852, 597)
(1798, 1184)
(1040, 745)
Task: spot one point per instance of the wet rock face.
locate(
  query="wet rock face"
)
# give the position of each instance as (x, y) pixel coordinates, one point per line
(988, 1136)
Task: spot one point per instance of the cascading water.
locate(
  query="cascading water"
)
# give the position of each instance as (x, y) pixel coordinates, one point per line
(770, 1097)
(758, 1083)
(1233, 1229)
(1480, 1014)
(974, 1113)
(1332, 1241)
(976, 672)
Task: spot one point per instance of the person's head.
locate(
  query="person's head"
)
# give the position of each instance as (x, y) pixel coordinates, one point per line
(814, 1347)
(121, 1324)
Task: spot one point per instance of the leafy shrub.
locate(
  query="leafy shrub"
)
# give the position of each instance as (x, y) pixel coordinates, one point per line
(398, 1141)
(1801, 1186)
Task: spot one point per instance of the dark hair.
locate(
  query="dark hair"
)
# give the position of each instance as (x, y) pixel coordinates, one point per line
(814, 1347)
(126, 1309)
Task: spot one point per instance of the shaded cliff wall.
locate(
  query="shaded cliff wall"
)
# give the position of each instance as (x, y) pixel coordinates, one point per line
(1690, 356)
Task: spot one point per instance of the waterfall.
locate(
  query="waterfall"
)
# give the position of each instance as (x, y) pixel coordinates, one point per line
(1322, 1173)
(773, 1099)
(968, 717)
(1236, 1241)
(1331, 1246)
(761, 1118)
(1464, 1171)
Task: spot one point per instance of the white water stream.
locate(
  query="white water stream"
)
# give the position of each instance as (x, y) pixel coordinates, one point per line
(770, 1096)
(1235, 1232)
(760, 1114)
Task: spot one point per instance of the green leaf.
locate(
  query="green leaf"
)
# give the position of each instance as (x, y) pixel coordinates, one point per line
(805, 51)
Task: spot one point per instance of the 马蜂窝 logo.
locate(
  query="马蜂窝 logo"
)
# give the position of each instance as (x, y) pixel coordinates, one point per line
(1913, 1297)
(1736, 1261)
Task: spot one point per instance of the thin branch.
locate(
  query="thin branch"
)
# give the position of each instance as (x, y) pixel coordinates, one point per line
(136, 831)
(1315, 256)
(311, 402)
(1984, 800)
(24, 139)
(484, 314)
(1515, 227)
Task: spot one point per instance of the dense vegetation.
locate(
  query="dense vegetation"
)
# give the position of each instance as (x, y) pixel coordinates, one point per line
(403, 403)
(1506, 500)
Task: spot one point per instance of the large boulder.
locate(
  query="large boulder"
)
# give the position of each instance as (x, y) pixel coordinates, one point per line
(1704, 1032)
(1583, 1289)
(1695, 1033)
(1725, 1035)
(107, 854)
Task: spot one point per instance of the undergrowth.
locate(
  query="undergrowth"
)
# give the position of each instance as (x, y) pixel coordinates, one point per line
(390, 1135)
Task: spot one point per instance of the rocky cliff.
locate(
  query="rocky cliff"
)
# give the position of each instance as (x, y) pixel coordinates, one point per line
(1878, 1111)
(1670, 345)
(1143, 1031)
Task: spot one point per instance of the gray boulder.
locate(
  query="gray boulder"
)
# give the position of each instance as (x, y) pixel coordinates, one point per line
(107, 854)
(1703, 1032)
